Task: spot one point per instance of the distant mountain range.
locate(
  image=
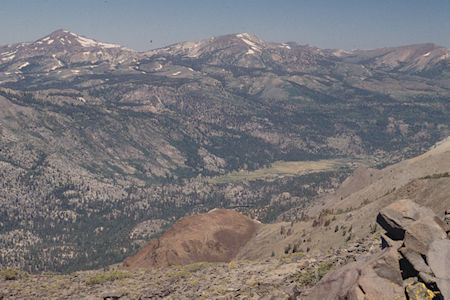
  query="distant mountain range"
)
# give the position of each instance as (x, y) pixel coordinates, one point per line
(96, 138)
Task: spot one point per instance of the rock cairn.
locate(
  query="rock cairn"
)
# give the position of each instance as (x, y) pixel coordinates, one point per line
(414, 262)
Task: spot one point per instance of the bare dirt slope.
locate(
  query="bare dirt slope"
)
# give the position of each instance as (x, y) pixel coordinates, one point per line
(216, 236)
(432, 164)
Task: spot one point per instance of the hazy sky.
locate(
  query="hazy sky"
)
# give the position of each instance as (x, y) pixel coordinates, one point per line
(344, 24)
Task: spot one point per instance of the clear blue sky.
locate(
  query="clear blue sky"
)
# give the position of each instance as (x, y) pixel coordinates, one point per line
(344, 24)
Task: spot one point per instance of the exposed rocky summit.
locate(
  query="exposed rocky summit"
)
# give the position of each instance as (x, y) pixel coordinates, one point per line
(215, 236)
(415, 260)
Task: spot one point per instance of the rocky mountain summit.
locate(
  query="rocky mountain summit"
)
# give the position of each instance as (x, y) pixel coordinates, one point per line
(53, 54)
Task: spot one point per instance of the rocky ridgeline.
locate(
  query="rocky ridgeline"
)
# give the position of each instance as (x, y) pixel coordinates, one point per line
(290, 276)
(414, 262)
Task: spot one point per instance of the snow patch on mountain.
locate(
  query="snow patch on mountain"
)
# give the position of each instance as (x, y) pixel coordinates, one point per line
(85, 42)
(445, 56)
(340, 52)
(23, 65)
(193, 49)
(245, 37)
(9, 55)
(58, 63)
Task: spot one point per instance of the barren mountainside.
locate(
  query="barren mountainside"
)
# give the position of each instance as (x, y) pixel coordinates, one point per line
(349, 213)
(215, 236)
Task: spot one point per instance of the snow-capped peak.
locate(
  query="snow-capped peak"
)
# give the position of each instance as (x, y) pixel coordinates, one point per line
(68, 38)
(85, 42)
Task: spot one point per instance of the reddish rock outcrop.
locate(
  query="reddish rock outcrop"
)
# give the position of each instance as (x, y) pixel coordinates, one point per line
(216, 236)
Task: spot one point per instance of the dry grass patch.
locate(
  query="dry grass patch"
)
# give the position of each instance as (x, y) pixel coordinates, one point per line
(12, 274)
(103, 277)
(282, 168)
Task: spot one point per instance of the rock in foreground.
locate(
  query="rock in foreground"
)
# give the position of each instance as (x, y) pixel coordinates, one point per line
(415, 260)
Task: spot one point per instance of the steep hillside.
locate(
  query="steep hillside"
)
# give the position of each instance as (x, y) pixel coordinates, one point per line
(428, 168)
(349, 214)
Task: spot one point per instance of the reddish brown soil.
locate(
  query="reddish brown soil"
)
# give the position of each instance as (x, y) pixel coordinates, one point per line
(216, 236)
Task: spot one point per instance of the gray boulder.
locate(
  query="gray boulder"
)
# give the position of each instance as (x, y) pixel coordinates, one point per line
(395, 217)
(439, 261)
(420, 234)
(416, 260)
(378, 278)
